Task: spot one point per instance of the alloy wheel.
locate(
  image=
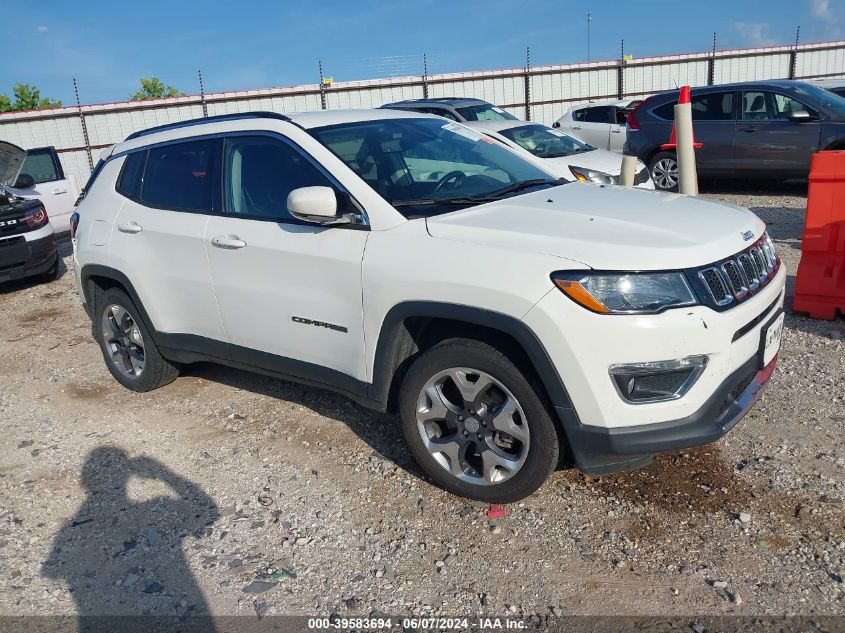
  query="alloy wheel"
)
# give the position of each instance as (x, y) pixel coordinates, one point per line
(123, 340)
(472, 426)
(665, 173)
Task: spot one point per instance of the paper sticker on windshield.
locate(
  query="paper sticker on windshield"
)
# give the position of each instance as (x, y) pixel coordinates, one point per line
(464, 131)
(499, 110)
(556, 132)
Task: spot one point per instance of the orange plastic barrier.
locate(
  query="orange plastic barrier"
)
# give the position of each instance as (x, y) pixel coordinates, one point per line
(820, 283)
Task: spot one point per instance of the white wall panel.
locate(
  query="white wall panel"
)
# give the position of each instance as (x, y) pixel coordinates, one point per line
(553, 89)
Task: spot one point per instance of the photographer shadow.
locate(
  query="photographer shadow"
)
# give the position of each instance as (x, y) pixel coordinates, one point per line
(123, 560)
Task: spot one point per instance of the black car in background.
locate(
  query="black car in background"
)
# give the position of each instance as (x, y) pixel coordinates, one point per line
(461, 109)
(755, 130)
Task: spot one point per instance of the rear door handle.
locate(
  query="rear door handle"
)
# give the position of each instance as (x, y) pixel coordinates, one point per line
(129, 227)
(616, 131)
(229, 242)
(750, 128)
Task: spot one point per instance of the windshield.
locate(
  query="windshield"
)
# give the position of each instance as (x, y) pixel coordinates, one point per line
(829, 100)
(544, 142)
(485, 112)
(428, 166)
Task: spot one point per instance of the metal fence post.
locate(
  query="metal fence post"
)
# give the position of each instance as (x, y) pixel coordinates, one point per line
(322, 87)
(793, 55)
(620, 73)
(711, 63)
(527, 83)
(202, 96)
(84, 127)
(425, 77)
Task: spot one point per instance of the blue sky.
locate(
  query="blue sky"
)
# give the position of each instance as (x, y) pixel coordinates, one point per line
(107, 46)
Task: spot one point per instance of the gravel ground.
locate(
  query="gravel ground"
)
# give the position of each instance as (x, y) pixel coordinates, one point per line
(239, 494)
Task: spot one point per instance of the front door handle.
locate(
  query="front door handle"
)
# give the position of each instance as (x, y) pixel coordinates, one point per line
(129, 227)
(575, 127)
(230, 242)
(58, 191)
(750, 128)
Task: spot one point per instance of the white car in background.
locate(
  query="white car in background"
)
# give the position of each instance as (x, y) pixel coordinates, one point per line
(43, 178)
(563, 155)
(599, 124)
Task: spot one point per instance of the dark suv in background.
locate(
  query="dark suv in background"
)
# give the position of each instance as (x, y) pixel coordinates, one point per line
(459, 109)
(756, 130)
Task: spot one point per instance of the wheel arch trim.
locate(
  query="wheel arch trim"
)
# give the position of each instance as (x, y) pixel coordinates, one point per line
(389, 347)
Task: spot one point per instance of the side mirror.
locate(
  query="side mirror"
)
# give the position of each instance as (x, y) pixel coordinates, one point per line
(800, 116)
(313, 204)
(24, 181)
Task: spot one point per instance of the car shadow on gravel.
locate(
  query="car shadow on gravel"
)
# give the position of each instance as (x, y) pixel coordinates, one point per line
(380, 431)
(121, 557)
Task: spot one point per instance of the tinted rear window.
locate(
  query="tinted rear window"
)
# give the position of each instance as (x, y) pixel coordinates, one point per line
(180, 176)
(713, 106)
(599, 114)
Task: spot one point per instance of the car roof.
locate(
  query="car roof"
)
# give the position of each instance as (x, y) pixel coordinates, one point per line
(455, 102)
(763, 83)
(306, 120)
(333, 117)
(621, 103)
(828, 83)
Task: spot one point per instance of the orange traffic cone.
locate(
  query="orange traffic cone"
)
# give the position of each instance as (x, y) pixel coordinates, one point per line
(672, 144)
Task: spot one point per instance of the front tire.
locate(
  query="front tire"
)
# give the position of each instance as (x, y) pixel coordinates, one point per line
(663, 168)
(128, 348)
(475, 424)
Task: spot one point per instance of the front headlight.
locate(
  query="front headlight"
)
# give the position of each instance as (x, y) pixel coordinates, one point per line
(590, 175)
(626, 293)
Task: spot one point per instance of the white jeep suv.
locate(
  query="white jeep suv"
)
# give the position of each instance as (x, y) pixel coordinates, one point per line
(514, 322)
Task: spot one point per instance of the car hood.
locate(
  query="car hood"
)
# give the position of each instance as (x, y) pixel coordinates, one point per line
(596, 159)
(606, 227)
(11, 161)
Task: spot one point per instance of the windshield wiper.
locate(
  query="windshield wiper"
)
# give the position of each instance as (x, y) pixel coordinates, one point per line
(419, 202)
(519, 186)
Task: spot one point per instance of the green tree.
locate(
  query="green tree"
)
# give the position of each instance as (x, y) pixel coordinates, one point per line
(154, 88)
(26, 97)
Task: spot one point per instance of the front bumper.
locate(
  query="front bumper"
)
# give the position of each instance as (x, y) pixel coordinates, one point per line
(605, 432)
(25, 257)
(607, 450)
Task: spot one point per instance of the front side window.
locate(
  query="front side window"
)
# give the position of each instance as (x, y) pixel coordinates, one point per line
(260, 172)
(41, 166)
(784, 106)
(485, 112)
(180, 176)
(545, 142)
(425, 167)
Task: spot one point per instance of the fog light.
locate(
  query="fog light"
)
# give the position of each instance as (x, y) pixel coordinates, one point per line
(640, 383)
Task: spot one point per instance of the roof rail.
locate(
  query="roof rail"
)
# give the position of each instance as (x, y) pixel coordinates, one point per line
(211, 119)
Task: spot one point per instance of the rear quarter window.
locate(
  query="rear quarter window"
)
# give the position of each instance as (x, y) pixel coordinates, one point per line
(131, 175)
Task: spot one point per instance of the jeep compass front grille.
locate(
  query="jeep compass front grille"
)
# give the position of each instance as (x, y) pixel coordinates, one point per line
(731, 281)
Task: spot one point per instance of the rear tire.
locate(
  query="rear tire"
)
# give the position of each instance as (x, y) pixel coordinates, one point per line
(475, 424)
(663, 168)
(128, 348)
